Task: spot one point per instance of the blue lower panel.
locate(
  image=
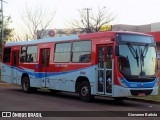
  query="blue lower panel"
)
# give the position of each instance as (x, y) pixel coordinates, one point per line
(140, 84)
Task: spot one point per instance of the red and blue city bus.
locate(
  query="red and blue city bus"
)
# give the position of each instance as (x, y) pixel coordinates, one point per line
(115, 64)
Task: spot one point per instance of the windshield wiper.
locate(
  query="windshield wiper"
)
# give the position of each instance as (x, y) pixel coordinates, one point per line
(134, 53)
(144, 53)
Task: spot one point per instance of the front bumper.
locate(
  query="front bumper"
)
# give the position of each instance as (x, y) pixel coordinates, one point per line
(119, 91)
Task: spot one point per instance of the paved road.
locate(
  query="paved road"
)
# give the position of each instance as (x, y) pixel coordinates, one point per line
(13, 99)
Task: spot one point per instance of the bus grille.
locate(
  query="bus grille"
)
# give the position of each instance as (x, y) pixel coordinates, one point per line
(140, 79)
(137, 92)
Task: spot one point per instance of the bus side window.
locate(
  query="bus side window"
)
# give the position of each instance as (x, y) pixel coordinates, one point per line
(23, 54)
(29, 58)
(81, 52)
(32, 53)
(6, 54)
(62, 52)
(85, 58)
(29, 53)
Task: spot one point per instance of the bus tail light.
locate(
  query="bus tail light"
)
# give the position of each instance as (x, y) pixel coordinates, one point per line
(122, 83)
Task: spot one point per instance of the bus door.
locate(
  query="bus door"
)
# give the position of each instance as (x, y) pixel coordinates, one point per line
(45, 57)
(105, 69)
(15, 63)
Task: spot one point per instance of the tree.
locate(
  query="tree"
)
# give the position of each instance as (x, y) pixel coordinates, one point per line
(8, 32)
(91, 21)
(35, 20)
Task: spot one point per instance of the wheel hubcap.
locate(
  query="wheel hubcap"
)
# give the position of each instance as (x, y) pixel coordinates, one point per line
(25, 85)
(84, 91)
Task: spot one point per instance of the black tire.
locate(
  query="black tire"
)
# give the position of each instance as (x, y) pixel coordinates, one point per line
(25, 84)
(85, 91)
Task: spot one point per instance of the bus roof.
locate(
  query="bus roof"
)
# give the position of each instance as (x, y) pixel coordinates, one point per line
(72, 37)
(45, 40)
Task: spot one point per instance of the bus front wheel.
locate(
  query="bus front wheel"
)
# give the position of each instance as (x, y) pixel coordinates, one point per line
(85, 91)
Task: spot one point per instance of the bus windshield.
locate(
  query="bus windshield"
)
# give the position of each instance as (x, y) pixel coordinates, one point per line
(137, 60)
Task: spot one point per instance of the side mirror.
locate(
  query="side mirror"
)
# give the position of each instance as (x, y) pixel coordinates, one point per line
(117, 50)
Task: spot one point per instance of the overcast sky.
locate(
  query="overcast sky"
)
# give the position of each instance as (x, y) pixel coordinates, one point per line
(135, 12)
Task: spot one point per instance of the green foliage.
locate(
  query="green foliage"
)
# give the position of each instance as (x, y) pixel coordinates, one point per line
(8, 32)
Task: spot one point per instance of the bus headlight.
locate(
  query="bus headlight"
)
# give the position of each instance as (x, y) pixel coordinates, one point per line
(122, 82)
(156, 83)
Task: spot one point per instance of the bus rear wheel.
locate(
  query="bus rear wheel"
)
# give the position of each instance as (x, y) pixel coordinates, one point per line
(25, 84)
(85, 91)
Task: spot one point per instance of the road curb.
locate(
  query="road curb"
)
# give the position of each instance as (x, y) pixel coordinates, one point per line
(4, 84)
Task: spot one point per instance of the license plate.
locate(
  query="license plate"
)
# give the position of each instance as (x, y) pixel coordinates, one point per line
(141, 94)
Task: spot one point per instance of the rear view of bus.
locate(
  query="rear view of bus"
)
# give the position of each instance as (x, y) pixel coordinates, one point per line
(135, 58)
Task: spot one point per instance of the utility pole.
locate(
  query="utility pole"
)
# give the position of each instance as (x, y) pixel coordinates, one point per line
(2, 21)
(88, 9)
